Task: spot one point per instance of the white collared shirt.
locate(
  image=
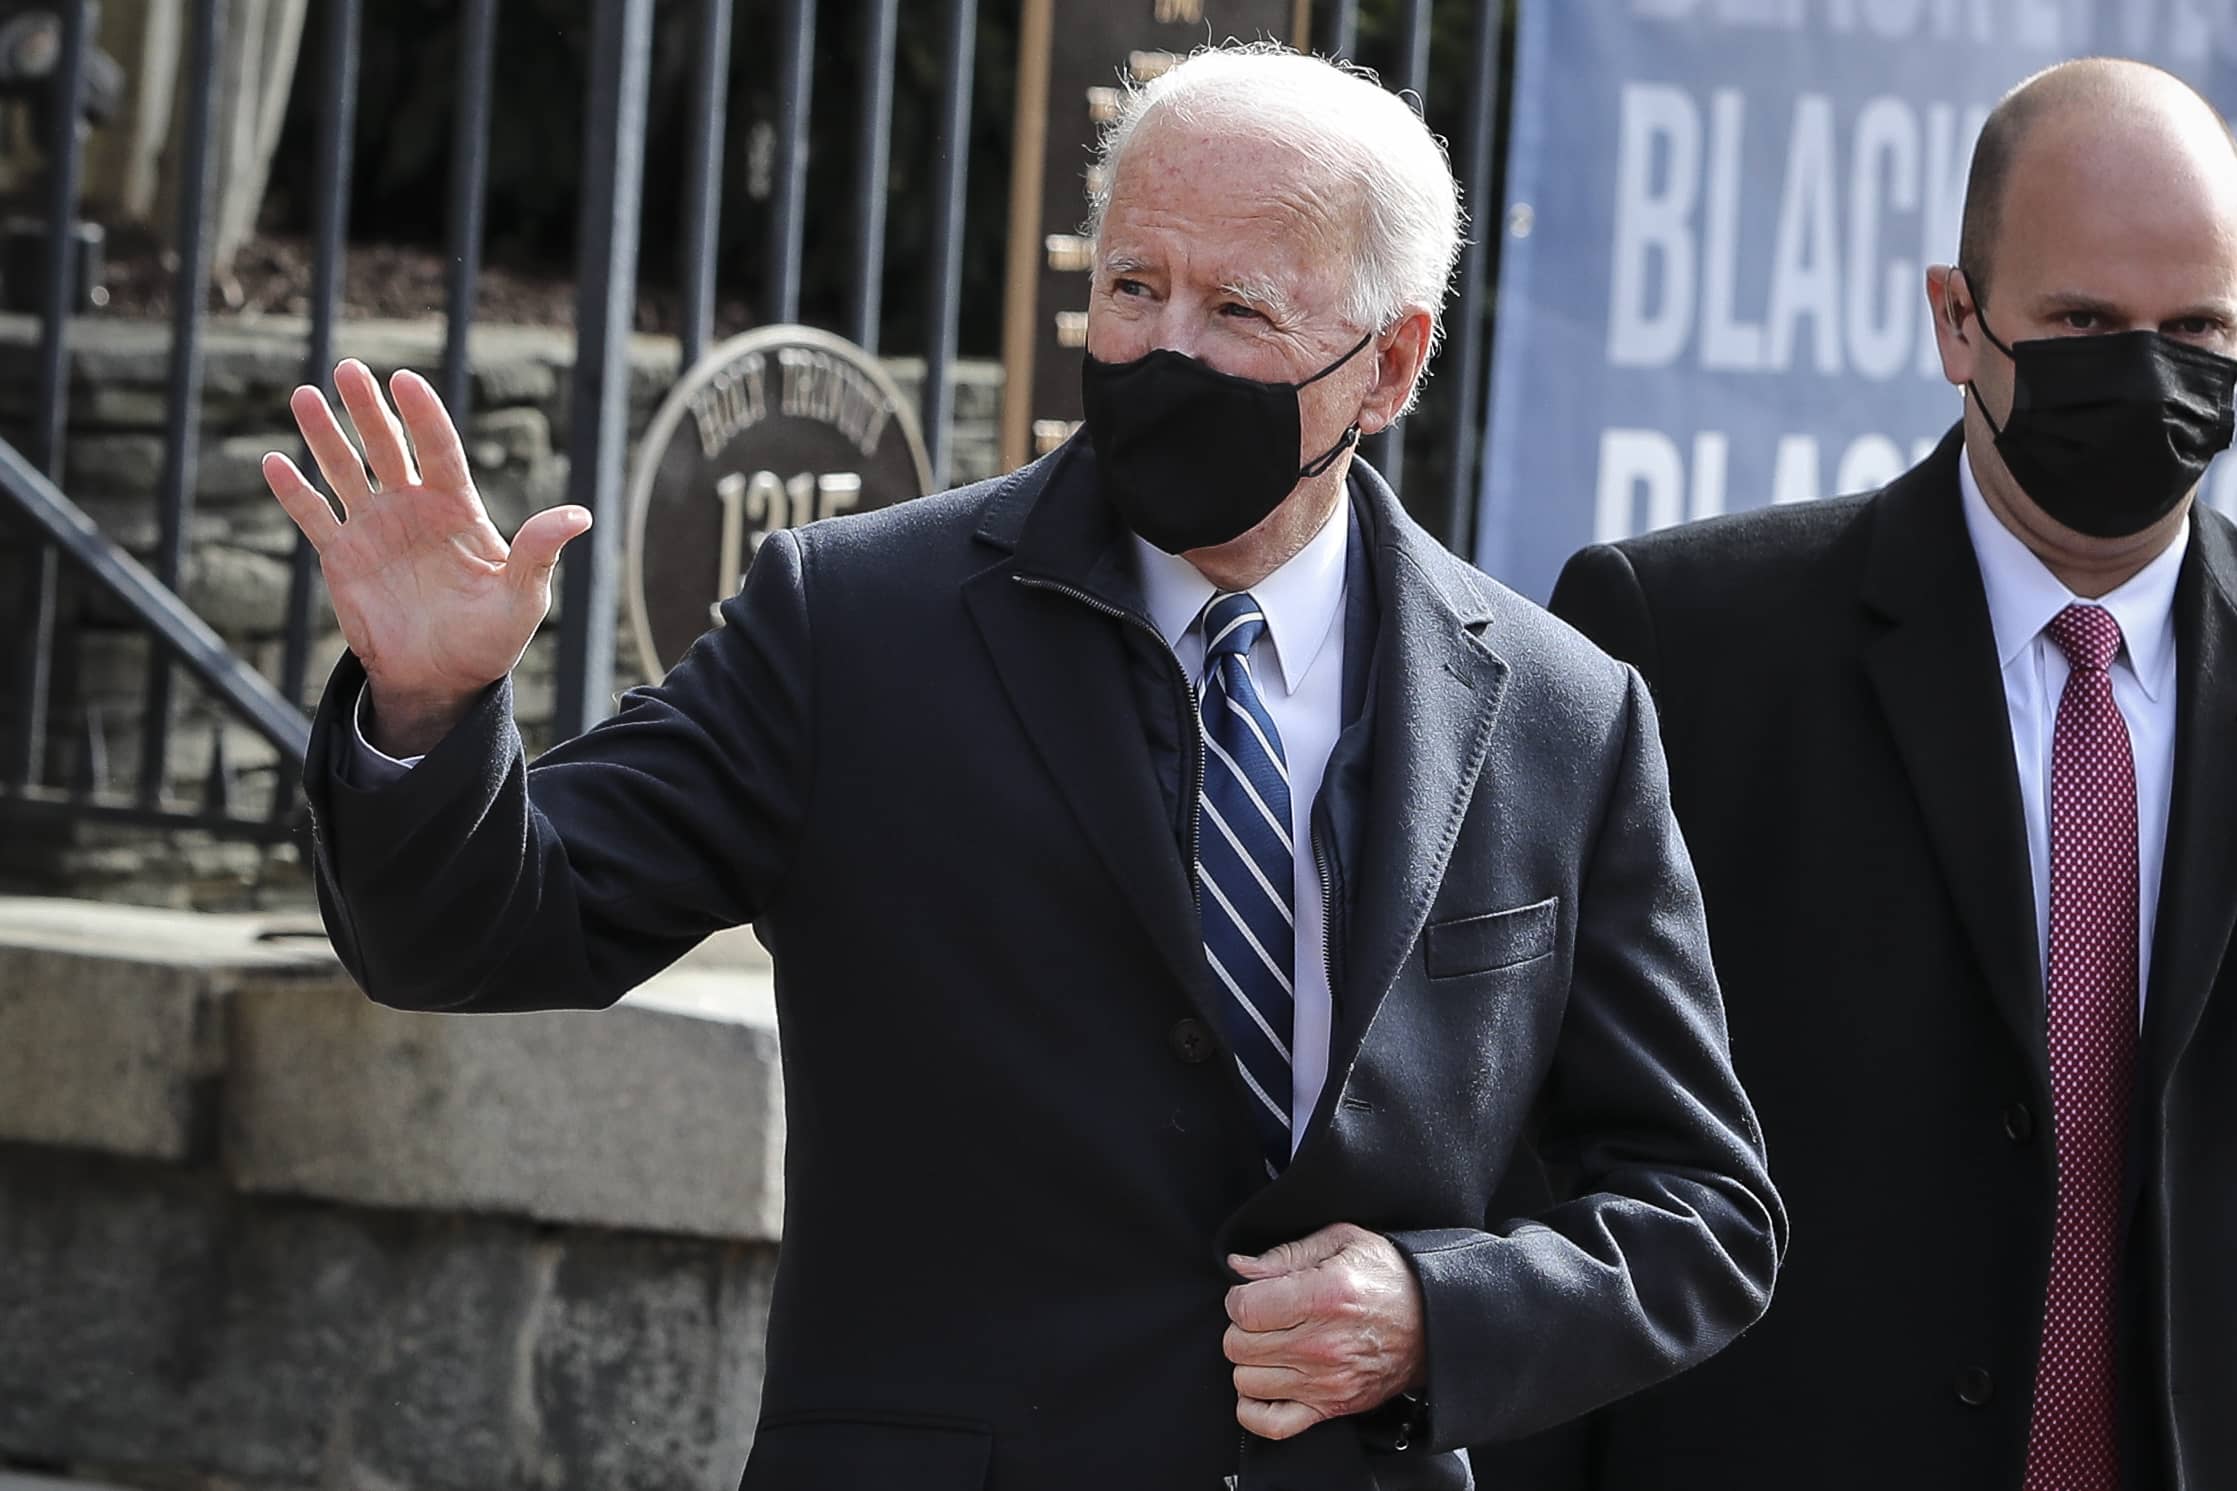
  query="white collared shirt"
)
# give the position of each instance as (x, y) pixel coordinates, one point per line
(2023, 597)
(1299, 666)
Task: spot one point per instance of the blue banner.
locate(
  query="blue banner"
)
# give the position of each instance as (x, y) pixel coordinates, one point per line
(1719, 218)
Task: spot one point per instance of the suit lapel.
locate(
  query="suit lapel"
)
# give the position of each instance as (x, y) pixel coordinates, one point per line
(1437, 688)
(1936, 674)
(2198, 880)
(1052, 616)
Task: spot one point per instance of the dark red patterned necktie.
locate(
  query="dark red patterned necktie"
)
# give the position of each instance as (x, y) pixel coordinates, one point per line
(2074, 1444)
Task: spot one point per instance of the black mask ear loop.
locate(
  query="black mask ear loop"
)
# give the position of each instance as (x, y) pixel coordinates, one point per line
(1980, 318)
(1350, 436)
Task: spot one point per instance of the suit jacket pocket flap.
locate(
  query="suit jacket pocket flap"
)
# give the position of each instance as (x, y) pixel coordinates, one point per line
(1499, 939)
(830, 1452)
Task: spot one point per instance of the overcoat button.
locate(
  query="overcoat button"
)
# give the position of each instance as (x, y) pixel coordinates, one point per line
(1191, 1041)
(2019, 1123)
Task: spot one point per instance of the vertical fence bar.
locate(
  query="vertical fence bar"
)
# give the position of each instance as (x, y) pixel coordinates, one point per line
(710, 87)
(183, 419)
(1413, 51)
(1484, 228)
(35, 642)
(65, 168)
(606, 296)
(1386, 452)
(796, 40)
(477, 53)
(952, 153)
(873, 147)
(1343, 29)
(337, 116)
(65, 171)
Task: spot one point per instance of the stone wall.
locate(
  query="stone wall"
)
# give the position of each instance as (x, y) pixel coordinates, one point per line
(260, 1235)
(239, 542)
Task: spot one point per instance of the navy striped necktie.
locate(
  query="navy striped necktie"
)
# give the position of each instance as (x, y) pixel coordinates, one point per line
(1245, 867)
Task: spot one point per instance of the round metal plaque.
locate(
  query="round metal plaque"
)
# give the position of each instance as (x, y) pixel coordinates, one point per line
(775, 428)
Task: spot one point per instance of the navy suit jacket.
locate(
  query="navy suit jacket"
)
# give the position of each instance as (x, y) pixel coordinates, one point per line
(933, 756)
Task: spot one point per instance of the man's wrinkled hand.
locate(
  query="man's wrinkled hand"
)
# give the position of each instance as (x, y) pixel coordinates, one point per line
(1325, 1326)
(428, 594)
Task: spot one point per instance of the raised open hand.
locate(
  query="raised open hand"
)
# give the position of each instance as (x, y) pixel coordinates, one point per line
(430, 597)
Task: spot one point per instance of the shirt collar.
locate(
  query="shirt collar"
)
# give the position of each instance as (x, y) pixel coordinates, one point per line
(1301, 600)
(2024, 596)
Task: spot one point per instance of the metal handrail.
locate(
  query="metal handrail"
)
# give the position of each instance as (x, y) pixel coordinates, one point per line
(168, 619)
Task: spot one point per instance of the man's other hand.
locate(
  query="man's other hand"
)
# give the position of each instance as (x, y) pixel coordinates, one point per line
(1325, 1326)
(430, 597)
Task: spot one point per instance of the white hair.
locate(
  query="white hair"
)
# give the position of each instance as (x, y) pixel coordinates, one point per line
(1403, 251)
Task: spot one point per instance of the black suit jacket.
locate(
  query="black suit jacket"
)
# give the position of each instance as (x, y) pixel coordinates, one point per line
(1841, 758)
(933, 757)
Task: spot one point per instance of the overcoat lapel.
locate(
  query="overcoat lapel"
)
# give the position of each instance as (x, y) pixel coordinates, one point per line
(1935, 671)
(2198, 880)
(1437, 690)
(1053, 615)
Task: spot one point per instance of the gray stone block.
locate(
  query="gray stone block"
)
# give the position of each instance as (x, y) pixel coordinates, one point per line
(112, 664)
(237, 592)
(261, 527)
(247, 359)
(657, 1115)
(111, 1020)
(501, 382)
(117, 406)
(118, 463)
(142, 1324)
(130, 522)
(510, 437)
(231, 471)
(446, 1400)
(102, 1054)
(648, 1365)
(156, 1324)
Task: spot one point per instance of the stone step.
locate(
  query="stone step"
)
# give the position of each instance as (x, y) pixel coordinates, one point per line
(154, 1034)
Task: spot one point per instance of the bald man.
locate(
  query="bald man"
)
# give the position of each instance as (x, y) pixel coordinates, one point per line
(1955, 760)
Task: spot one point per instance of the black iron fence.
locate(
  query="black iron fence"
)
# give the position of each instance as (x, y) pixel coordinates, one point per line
(59, 770)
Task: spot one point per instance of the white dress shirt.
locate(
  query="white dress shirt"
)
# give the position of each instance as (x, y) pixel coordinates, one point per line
(374, 768)
(2023, 596)
(1298, 665)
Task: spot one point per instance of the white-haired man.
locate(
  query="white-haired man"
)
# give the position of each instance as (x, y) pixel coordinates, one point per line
(1189, 886)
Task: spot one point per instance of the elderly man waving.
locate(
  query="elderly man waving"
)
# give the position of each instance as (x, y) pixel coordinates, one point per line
(1192, 891)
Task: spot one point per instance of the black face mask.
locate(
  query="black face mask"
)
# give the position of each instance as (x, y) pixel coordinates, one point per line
(2108, 433)
(1191, 457)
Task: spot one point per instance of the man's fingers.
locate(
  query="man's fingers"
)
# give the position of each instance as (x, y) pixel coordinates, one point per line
(1264, 1348)
(377, 429)
(304, 502)
(1271, 1384)
(1280, 1419)
(442, 455)
(536, 547)
(1268, 1304)
(1296, 1257)
(336, 457)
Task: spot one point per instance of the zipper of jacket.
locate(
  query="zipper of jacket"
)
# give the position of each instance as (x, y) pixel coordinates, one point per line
(1327, 909)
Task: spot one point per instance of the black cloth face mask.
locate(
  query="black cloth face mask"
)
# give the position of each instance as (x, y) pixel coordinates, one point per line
(2107, 434)
(1191, 457)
